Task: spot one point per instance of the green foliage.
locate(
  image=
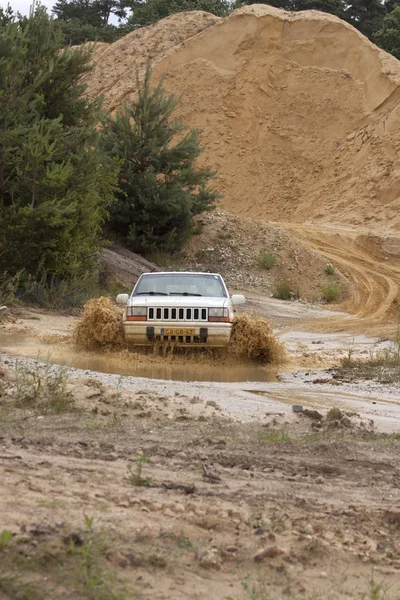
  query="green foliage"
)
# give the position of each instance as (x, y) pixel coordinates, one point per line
(90, 12)
(331, 290)
(284, 291)
(75, 32)
(43, 387)
(6, 16)
(161, 187)
(147, 12)
(9, 285)
(267, 260)
(329, 269)
(388, 36)
(280, 436)
(5, 538)
(135, 477)
(55, 182)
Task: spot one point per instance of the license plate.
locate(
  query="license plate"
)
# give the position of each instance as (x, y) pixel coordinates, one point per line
(174, 331)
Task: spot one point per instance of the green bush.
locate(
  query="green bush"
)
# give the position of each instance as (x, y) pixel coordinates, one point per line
(330, 291)
(284, 291)
(267, 260)
(329, 269)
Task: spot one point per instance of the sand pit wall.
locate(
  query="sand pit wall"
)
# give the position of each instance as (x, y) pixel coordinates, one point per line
(298, 112)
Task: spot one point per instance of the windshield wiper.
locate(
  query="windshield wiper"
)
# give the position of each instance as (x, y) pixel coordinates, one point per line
(183, 294)
(151, 294)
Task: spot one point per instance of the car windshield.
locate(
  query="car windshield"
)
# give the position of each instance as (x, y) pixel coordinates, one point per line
(180, 284)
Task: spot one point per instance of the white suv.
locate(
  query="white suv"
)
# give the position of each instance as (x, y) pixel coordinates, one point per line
(187, 309)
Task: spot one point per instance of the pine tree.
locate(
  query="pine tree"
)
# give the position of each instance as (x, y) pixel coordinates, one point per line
(162, 189)
(55, 181)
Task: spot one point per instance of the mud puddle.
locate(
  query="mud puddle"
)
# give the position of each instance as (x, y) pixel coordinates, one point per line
(151, 368)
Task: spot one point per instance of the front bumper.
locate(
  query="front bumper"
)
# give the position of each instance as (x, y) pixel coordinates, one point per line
(211, 335)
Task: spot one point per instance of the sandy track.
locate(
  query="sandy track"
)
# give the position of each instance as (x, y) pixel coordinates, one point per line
(373, 276)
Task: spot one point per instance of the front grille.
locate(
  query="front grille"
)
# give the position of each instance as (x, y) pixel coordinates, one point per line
(181, 339)
(177, 314)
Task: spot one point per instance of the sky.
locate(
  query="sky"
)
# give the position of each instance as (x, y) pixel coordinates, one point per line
(23, 5)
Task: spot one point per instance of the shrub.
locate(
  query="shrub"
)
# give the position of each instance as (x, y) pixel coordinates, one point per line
(329, 269)
(330, 291)
(284, 291)
(42, 387)
(267, 260)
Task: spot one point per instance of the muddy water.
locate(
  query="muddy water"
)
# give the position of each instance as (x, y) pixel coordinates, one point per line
(150, 368)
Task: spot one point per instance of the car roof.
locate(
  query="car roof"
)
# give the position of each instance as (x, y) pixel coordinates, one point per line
(181, 273)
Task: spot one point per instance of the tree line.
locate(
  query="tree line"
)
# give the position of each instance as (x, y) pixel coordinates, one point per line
(89, 20)
(67, 170)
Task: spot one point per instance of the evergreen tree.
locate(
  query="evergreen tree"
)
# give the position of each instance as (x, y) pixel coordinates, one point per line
(55, 182)
(388, 36)
(6, 16)
(161, 187)
(88, 20)
(146, 12)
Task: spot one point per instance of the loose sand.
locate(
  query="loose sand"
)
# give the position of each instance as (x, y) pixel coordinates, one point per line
(298, 111)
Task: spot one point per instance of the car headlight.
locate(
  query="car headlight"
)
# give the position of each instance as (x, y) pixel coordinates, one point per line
(218, 315)
(136, 313)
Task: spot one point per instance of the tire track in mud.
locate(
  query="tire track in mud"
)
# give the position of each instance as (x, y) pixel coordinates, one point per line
(373, 275)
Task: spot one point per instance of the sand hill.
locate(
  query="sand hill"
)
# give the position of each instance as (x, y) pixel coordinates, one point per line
(299, 112)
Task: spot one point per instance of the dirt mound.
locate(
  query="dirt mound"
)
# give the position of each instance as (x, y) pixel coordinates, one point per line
(115, 67)
(231, 245)
(298, 111)
(253, 340)
(120, 265)
(100, 326)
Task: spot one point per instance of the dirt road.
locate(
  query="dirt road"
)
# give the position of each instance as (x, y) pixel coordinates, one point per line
(371, 264)
(147, 494)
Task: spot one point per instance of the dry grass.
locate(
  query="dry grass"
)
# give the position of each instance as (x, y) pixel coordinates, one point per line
(253, 340)
(100, 326)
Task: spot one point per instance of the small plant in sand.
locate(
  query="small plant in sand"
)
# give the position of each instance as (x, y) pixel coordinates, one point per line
(267, 260)
(5, 538)
(279, 436)
(43, 386)
(329, 270)
(100, 326)
(92, 577)
(135, 477)
(253, 339)
(331, 291)
(118, 395)
(285, 291)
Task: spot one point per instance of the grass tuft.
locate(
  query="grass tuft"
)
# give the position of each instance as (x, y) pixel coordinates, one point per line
(135, 477)
(330, 291)
(43, 387)
(267, 260)
(285, 291)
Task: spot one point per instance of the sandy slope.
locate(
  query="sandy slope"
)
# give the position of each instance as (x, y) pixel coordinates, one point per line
(297, 111)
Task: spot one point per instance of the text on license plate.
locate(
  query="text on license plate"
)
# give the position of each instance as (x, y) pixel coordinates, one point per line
(175, 331)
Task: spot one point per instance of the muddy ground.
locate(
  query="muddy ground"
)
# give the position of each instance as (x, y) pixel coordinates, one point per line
(138, 488)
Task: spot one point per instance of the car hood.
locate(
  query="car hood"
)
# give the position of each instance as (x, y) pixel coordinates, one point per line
(190, 301)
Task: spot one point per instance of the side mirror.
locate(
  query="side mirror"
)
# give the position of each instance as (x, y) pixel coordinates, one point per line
(238, 299)
(122, 298)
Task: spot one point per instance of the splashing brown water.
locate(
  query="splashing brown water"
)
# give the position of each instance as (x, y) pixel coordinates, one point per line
(100, 327)
(253, 340)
